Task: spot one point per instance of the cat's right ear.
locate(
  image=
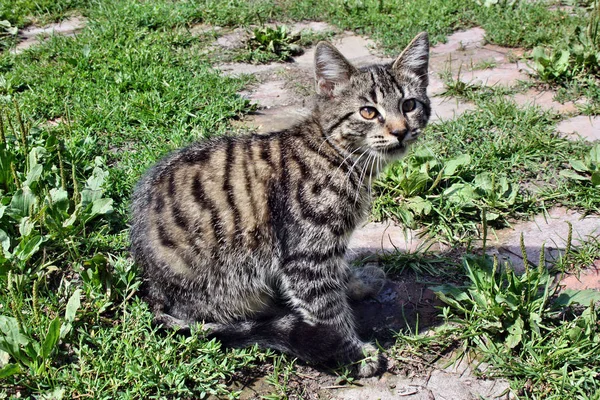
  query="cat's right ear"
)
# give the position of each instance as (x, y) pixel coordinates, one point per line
(331, 69)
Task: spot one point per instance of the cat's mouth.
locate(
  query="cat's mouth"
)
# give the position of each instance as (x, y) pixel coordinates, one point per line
(396, 148)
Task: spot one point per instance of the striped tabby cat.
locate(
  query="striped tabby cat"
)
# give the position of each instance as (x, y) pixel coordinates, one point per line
(248, 234)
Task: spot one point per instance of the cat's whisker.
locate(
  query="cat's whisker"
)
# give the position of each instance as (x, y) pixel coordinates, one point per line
(344, 160)
(351, 170)
(363, 175)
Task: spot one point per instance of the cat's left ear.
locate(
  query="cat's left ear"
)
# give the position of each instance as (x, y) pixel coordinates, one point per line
(331, 68)
(415, 58)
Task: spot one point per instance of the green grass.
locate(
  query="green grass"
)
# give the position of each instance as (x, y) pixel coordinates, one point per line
(84, 116)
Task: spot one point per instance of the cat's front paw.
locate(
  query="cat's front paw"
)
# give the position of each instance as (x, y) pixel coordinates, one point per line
(373, 362)
(366, 282)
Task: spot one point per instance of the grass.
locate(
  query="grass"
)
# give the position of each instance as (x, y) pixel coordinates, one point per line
(82, 117)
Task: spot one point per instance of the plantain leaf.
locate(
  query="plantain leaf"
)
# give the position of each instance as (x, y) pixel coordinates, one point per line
(51, 338)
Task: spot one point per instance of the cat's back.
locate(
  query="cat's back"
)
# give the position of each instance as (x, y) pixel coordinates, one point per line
(211, 194)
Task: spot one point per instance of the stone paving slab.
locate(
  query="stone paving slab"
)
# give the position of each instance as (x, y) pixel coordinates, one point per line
(582, 125)
(438, 385)
(586, 279)
(544, 100)
(447, 108)
(382, 237)
(465, 51)
(34, 35)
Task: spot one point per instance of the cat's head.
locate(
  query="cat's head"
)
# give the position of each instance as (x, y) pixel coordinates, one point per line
(376, 110)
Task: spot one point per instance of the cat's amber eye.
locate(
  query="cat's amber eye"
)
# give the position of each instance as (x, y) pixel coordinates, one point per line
(409, 105)
(368, 112)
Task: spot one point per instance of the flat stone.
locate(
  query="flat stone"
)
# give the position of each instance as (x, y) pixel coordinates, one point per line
(355, 48)
(272, 119)
(35, 35)
(550, 230)
(438, 385)
(503, 75)
(583, 126)
(446, 108)
(586, 279)
(459, 41)
(271, 93)
(381, 237)
(544, 100)
(314, 26)
(466, 51)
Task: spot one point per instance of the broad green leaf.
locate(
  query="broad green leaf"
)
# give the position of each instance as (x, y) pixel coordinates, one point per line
(97, 179)
(102, 206)
(515, 333)
(535, 320)
(12, 339)
(562, 64)
(461, 194)
(59, 201)
(595, 154)
(419, 205)
(34, 156)
(453, 164)
(73, 305)
(73, 217)
(2, 208)
(596, 178)
(5, 243)
(567, 173)
(579, 165)
(9, 370)
(51, 338)
(28, 247)
(490, 216)
(450, 290)
(22, 202)
(33, 175)
(26, 226)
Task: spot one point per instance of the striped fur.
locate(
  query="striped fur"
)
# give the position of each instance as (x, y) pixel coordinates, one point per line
(248, 234)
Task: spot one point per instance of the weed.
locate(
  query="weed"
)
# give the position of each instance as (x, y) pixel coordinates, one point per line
(422, 262)
(520, 325)
(32, 343)
(279, 379)
(485, 64)
(586, 171)
(269, 44)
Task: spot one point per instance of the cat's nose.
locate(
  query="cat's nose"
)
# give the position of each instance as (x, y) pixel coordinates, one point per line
(399, 133)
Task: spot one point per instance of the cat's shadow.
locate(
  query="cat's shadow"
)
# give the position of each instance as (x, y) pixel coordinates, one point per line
(404, 304)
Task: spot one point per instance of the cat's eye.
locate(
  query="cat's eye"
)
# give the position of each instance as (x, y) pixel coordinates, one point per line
(368, 112)
(409, 105)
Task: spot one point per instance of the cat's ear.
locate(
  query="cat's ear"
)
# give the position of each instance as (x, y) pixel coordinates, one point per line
(415, 58)
(331, 68)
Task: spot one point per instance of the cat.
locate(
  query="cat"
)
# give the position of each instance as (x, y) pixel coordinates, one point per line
(247, 234)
